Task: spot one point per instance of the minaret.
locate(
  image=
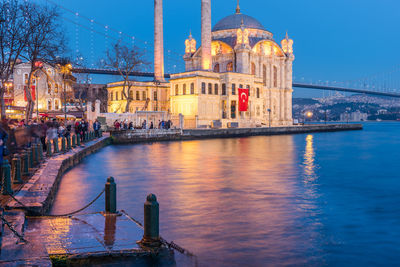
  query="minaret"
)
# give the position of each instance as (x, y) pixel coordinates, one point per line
(158, 41)
(206, 58)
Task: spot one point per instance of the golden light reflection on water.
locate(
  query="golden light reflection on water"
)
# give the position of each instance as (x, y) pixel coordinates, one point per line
(309, 160)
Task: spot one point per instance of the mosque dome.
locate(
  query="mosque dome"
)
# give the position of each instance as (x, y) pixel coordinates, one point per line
(235, 22)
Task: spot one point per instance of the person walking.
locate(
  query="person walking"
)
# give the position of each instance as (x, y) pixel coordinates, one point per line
(96, 128)
(43, 128)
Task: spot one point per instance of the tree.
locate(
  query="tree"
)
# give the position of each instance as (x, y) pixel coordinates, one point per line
(45, 42)
(14, 34)
(125, 60)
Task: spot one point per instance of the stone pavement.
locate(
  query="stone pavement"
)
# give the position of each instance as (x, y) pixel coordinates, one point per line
(79, 236)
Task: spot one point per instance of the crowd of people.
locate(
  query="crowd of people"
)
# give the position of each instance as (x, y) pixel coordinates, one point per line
(18, 134)
(128, 125)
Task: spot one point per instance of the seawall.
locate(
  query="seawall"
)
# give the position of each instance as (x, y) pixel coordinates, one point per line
(138, 136)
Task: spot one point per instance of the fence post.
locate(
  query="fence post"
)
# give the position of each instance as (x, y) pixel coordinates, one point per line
(25, 163)
(16, 170)
(48, 149)
(30, 157)
(78, 140)
(111, 195)
(36, 154)
(6, 175)
(40, 151)
(74, 141)
(55, 143)
(69, 142)
(63, 149)
(151, 236)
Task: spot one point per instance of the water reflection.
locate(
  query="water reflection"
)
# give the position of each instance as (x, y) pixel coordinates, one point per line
(309, 160)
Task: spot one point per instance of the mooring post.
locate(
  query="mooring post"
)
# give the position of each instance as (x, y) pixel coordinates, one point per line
(56, 147)
(151, 235)
(6, 188)
(48, 149)
(78, 140)
(36, 154)
(68, 143)
(30, 157)
(111, 195)
(74, 141)
(16, 170)
(40, 151)
(25, 163)
(63, 148)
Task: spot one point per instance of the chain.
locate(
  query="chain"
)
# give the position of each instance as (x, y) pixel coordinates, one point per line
(21, 238)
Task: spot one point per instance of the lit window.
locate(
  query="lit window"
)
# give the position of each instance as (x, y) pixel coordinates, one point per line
(137, 95)
(229, 67)
(184, 89)
(192, 88)
(176, 89)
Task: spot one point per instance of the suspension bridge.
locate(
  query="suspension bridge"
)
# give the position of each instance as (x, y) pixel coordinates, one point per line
(385, 84)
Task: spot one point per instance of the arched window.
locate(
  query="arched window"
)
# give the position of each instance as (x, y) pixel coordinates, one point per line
(144, 95)
(56, 88)
(216, 89)
(184, 89)
(216, 68)
(229, 67)
(210, 89)
(111, 96)
(223, 89)
(192, 88)
(116, 96)
(56, 104)
(155, 95)
(131, 95)
(49, 88)
(253, 68)
(233, 89)
(49, 104)
(248, 88)
(275, 76)
(203, 88)
(137, 95)
(264, 75)
(176, 89)
(258, 92)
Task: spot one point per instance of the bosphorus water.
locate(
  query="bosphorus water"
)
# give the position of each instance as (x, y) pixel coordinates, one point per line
(309, 199)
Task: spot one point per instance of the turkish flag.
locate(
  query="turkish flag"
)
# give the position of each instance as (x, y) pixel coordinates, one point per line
(243, 99)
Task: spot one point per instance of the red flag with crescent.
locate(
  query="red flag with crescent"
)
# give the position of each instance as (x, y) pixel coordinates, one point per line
(243, 99)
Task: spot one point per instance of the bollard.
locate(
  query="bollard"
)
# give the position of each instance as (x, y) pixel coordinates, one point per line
(36, 154)
(48, 149)
(151, 236)
(30, 157)
(6, 188)
(55, 144)
(68, 143)
(111, 195)
(16, 170)
(78, 140)
(100, 133)
(40, 151)
(63, 148)
(25, 163)
(74, 141)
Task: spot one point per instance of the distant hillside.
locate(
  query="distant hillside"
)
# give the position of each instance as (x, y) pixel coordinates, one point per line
(304, 101)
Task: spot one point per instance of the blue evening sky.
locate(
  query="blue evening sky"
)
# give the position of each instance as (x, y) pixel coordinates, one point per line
(334, 40)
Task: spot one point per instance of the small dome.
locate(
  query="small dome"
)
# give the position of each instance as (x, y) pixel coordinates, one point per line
(235, 21)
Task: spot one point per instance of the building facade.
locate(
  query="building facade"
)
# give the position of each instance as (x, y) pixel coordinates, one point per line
(243, 55)
(47, 87)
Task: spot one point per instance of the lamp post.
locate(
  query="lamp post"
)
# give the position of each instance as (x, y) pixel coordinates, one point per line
(269, 117)
(66, 71)
(37, 96)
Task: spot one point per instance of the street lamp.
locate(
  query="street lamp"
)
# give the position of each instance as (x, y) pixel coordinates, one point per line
(309, 114)
(157, 83)
(269, 117)
(66, 72)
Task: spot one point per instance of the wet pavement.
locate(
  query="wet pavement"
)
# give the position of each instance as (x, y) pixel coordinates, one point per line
(83, 236)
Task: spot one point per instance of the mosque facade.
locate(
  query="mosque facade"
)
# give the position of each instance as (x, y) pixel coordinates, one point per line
(237, 53)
